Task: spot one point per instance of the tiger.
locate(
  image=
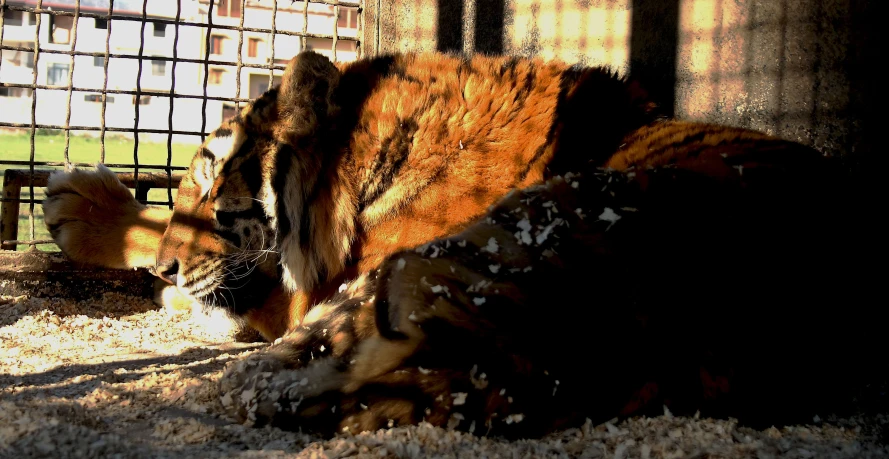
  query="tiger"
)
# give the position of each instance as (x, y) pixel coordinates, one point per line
(322, 177)
(291, 212)
(709, 287)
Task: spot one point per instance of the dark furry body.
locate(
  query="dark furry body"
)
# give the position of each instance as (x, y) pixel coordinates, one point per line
(717, 290)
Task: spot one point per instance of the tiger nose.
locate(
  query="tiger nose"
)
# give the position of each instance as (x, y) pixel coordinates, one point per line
(168, 271)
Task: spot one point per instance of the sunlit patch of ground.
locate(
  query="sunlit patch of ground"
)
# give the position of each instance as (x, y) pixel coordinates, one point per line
(117, 377)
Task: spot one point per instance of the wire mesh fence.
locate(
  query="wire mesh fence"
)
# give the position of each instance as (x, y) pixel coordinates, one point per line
(137, 85)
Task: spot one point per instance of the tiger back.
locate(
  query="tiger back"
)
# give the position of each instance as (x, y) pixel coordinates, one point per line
(322, 178)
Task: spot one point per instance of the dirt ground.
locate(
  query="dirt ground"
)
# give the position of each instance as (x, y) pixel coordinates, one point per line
(118, 377)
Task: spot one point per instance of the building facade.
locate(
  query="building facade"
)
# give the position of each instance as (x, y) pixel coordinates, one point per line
(162, 43)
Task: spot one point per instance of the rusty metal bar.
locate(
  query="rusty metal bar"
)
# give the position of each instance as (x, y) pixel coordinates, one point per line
(9, 210)
(158, 58)
(137, 101)
(59, 163)
(106, 60)
(207, 40)
(123, 91)
(71, 80)
(96, 128)
(33, 125)
(172, 104)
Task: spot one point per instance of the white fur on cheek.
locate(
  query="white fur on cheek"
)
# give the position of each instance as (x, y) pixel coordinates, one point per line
(297, 272)
(222, 148)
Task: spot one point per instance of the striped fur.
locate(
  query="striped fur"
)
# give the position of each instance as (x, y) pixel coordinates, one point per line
(317, 183)
(320, 179)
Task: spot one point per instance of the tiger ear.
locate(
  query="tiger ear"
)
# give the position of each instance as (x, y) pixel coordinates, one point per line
(305, 98)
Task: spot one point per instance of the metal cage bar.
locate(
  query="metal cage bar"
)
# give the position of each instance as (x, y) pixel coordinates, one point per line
(62, 42)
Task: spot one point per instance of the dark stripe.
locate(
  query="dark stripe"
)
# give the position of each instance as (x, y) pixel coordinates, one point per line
(691, 139)
(230, 236)
(569, 79)
(465, 67)
(227, 218)
(204, 198)
(285, 156)
(527, 86)
(205, 153)
(213, 264)
(359, 80)
(382, 308)
(392, 157)
(509, 66)
(257, 119)
(305, 217)
(251, 168)
(400, 72)
(266, 99)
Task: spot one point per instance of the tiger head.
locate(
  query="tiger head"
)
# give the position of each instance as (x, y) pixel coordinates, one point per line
(241, 223)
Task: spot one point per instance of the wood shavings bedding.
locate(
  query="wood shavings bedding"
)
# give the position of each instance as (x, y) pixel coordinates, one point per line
(116, 377)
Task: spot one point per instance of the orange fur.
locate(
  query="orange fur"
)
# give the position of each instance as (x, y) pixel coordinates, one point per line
(406, 164)
(355, 162)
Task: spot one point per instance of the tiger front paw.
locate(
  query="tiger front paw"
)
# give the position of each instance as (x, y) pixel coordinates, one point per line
(261, 390)
(95, 219)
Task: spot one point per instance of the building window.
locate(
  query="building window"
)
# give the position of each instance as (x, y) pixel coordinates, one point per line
(13, 18)
(215, 76)
(229, 111)
(319, 44)
(17, 18)
(143, 100)
(57, 74)
(101, 23)
(98, 61)
(22, 58)
(259, 83)
(216, 44)
(253, 47)
(160, 29)
(228, 8)
(60, 29)
(158, 68)
(348, 18)
(97, 98)
(15, 92)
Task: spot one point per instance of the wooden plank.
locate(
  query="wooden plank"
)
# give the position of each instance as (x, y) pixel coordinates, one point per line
(16, 179)
(148, 179)
(51, 274)
(9, 210)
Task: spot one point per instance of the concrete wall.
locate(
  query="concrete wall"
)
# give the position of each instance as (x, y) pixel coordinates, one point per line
(801, 69)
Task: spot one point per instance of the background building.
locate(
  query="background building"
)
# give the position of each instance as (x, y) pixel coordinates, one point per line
(163, 39)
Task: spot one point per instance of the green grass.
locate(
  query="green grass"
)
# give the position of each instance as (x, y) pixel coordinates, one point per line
(50, 148)
(118, 150)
